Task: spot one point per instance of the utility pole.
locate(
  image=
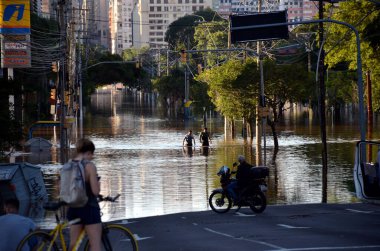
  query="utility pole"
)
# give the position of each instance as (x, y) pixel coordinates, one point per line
(322, 94)
(167, 62)
(259, 126)
(61, 69)
(370, 114)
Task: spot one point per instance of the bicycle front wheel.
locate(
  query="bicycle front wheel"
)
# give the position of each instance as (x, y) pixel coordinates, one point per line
(37, 240)
(116, 238)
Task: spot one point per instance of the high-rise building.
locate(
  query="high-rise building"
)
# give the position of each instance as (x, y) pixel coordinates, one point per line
(299, 10)
(227, 7)
(120, 21)
(151, 19)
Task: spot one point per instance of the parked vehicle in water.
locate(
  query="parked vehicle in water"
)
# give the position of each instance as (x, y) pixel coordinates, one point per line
(252, 196)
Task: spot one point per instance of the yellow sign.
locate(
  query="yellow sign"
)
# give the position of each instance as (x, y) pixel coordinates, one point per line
(15, 16)
(188, 103)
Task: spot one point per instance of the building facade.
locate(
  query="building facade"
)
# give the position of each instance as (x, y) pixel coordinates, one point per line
(151, 19)
(299, 10)
(120, 23)
(227, 7)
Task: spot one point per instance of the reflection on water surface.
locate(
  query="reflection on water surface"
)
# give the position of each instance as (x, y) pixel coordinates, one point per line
(139, 155)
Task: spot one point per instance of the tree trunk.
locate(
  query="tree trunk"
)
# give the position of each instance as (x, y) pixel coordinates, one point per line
(272, 125)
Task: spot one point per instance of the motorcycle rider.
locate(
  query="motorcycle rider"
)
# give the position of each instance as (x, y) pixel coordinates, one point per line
(242, 179)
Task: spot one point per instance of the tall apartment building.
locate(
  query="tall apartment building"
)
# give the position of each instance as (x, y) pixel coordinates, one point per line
(227, 7)
(101, 30)
(299, 10)
(120, 24)
(151, 19)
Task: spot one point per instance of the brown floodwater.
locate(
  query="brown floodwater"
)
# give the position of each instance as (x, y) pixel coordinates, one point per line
(139, 155)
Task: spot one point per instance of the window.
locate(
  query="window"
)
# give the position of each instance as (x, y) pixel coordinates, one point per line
(179, 1)
(151, 8)
(158, 1)
(194, 8)
(165, 1)
(151, 1)
(159, 8)
(194, 1)
(187, 1)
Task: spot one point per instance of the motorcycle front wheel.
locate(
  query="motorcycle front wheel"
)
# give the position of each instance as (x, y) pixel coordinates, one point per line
(257, 202)
(220, 202)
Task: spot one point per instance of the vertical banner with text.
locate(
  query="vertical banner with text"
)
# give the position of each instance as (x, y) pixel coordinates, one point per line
(15, 33)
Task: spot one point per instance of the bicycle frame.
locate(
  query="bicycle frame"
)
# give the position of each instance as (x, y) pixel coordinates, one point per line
(58, 231)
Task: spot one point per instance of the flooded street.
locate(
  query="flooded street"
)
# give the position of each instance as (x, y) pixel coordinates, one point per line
(139, 154)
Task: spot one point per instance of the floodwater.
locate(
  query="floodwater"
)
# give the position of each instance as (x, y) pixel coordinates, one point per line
(139, 155)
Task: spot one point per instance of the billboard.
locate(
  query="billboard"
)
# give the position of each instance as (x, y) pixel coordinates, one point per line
(263, 33)
(14, 16)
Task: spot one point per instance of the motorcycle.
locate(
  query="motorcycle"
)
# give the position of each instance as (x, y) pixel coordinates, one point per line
(252, 196)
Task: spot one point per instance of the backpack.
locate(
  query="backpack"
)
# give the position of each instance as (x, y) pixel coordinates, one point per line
(72, 185)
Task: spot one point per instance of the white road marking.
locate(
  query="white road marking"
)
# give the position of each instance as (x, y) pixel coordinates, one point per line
(138, 238)
(244, 239)
(244, 215)
(288, 226)
(183, 217)
(195, 224)
(127, 222)
(359, 211)
(327, 248)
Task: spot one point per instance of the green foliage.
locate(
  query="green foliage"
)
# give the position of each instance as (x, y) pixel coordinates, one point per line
(133, 53)
(108, 73)
(170, 86)
(180, 33)
(341, 42)
(212, 35)
(233, 88)
(341, 87)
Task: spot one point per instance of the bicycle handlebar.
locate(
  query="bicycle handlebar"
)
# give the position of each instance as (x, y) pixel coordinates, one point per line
(108, 198)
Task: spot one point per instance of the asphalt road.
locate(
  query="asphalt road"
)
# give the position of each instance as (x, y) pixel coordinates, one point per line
(292, 227)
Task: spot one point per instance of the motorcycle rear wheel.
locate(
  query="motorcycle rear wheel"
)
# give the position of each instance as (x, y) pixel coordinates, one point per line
(257, 202)
(220, 202)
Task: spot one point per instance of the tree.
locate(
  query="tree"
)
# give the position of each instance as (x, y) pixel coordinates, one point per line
(234, 88)
(180, 33)
(284, 83)
(211, 35)
(341, 42)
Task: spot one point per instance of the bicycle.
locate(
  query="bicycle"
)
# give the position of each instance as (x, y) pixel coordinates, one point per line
(114, 237)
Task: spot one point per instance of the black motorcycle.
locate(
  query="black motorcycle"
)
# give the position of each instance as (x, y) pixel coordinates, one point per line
(252, 196)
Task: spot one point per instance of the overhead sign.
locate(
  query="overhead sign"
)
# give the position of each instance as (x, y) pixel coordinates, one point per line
(15, 16)
(263, 33)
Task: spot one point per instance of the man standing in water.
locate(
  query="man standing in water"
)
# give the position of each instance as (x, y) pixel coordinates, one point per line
(188, 140)
(204, 138)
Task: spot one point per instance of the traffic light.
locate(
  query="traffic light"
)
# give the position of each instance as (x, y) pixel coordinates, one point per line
(52, 96)
(183, 56)
(54, 66)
